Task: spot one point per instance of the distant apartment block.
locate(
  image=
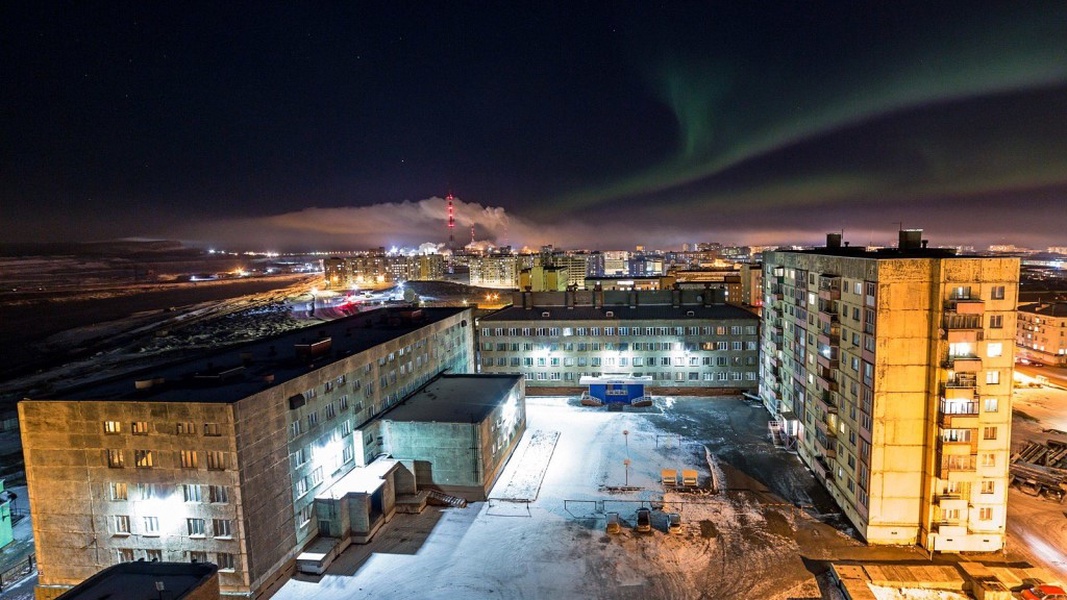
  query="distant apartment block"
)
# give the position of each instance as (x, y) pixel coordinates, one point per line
(1042, 333)
(375, 269)
(495, 271)
(893, 370)
(679, 338)
(226, 458)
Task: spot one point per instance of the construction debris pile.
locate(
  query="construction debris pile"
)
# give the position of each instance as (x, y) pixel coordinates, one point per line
(1041, 469)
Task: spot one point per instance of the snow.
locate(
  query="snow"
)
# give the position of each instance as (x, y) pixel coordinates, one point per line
(570, 467)
(886, 593)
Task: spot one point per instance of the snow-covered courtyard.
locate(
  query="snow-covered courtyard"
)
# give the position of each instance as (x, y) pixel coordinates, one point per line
(544, 537)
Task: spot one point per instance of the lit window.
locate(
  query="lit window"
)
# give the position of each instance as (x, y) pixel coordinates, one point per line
(186, 428)
(139, 427)
(991, 405)
(216, 461)
(142, 459)
(994, 349)
(119, 491)
(114, 459)
(985, 513)
(212, 429)
(112, 427)
(188, 459)
(989, 487)
(151, 525)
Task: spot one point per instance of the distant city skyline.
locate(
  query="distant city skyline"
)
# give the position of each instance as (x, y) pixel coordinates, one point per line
(287, 128)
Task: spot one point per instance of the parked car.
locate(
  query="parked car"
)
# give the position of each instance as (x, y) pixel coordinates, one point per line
(614, 526)
(1044, 592)
(674, 523)
(644, 520)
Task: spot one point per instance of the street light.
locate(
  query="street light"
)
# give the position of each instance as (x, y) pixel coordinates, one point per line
(626, 465)
(626, 436)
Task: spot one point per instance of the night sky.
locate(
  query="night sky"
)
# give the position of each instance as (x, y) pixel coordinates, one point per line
(342, 125)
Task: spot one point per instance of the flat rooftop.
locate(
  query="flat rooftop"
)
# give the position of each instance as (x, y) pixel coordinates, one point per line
(138, 580)
(884, 253)
(454, 399)
(224, 376)
(622, 312)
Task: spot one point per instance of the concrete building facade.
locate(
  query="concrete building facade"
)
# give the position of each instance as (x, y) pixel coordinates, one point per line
(375, 269)
(1042, 333)
(680, 338)
(893, 369)
(496, 270)
(220, 458)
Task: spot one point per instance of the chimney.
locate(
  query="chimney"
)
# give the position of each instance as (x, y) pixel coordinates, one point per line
(568, 297)
(833, 240)
(910, 239)
(633, 298)
(598, 295)
(526, 300)
(707, 294)
(676, 296)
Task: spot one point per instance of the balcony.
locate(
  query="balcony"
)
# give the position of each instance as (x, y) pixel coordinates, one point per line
(968, 381)
(830, 287)
(829, 401)
(958, 414)
(965, 306)
(952, 321)
(956, 448)
(963, 364)
(956, 467)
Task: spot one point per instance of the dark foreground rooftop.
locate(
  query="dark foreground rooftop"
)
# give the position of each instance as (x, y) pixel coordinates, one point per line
(455, 399)
(141, 580)
(238, 372)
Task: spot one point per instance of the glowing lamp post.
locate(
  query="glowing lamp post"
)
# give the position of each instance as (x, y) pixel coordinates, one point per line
(626, 437)
(626, 465)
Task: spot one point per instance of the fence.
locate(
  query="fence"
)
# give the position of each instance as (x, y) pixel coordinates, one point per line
(18, 572)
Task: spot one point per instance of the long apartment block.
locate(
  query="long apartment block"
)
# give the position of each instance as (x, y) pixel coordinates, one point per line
(219, 458)
(678, 338)
(892, 370)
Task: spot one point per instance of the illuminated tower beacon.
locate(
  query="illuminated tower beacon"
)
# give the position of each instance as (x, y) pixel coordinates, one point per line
(892, 368)
(451, 224)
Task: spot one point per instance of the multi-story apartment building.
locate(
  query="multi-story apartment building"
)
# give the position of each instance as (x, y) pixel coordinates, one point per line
(375, 269)
(894, 370)
(220, 458)
(679, 338)
(1042, 333)
(577, 266)
(496, 271)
